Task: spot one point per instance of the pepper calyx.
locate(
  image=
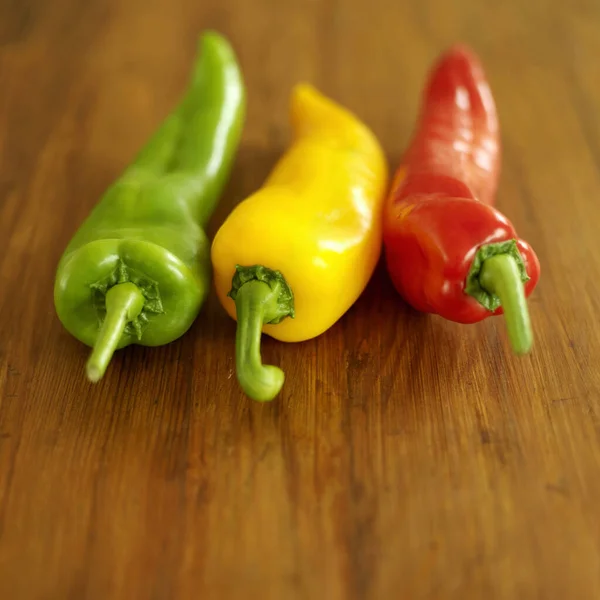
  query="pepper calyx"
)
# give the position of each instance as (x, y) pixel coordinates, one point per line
(149, 288)
(281, 303)
(473, 286)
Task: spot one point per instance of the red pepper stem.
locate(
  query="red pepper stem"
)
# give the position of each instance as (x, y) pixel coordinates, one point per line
(500, 276)
(254, 302)
(124, 302)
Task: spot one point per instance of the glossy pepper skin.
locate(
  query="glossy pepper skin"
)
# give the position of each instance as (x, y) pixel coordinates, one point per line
(138, 269)
(448, 250)
(294, 256)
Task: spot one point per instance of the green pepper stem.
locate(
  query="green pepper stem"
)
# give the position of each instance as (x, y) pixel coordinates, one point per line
(254, 300)
(500, 276)
(124, 302)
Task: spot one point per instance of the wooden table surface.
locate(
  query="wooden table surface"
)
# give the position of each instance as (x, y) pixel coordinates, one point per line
(407, 457)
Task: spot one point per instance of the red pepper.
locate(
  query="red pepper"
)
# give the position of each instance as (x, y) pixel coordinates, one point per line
(448, 251)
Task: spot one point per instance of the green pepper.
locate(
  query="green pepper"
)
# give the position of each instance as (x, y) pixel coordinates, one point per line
(138, 269)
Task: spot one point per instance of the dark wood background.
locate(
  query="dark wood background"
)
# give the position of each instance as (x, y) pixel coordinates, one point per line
(407, 457)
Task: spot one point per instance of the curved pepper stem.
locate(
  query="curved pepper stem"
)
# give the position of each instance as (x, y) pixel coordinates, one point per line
(500, 276)
(262, 296)
(124, 302)
(260, 382)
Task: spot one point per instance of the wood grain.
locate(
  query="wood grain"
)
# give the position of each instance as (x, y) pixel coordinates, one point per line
(408, 457)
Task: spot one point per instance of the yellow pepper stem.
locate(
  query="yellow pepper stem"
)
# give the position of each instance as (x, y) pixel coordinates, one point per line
(260, 382)
(261, 296)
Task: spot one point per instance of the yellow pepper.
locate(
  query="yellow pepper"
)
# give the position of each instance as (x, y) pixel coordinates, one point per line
(295, 255)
